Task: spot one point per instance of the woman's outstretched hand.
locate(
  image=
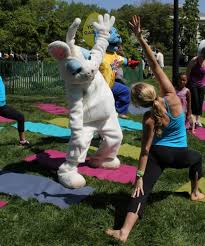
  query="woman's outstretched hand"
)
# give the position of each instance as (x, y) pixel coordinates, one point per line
(135, 25)
(138, 188)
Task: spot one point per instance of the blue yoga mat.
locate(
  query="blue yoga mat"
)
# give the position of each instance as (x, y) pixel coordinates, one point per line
(43, 189)
(46, 129)
(57, 131)
(130, 125)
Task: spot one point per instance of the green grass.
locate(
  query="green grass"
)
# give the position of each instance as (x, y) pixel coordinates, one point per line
(170, 219)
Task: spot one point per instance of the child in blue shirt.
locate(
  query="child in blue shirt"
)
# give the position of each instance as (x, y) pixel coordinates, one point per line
(10, 113)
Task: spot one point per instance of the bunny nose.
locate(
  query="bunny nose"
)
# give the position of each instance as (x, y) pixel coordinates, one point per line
(73, 66)
(91, 72)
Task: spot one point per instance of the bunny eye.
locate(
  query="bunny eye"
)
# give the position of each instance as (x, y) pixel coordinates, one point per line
(77, 71)
(73, 66)
(89, 58)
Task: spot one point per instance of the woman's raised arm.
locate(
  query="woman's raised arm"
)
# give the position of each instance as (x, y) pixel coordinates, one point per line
(164, 82)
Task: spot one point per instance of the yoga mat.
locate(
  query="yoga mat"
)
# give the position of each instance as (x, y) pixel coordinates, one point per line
(5, 120)
(52, 108)
(43, 189)
(62, 121)
(130, 125)
(46, 129)
(126, 150)
(187, 187)
(3, 204)
(137, 110)
(52, 159)
(203, 120)
(199, 133)
(203, 108)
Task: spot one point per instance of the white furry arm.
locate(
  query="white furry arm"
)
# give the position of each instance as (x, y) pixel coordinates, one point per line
(76, 113)
(102, 27)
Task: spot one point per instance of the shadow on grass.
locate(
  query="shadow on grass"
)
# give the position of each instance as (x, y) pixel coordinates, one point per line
(42, 140)
(42, 164)
(117, 203)
(29, 167)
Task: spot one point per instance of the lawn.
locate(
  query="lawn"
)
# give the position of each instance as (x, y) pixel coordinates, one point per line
(170, 218)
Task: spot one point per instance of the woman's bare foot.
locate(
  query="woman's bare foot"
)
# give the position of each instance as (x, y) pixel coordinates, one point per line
(123, 116)
(117, 234)
(197, 196)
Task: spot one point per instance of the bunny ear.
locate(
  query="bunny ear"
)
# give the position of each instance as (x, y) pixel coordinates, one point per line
(59, 50)
(72, 30)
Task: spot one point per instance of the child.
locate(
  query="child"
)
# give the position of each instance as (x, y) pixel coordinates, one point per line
(10, 113)
(196, 81)
(185, 96)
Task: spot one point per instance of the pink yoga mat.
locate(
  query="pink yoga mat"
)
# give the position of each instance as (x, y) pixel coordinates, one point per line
(52, 159)
(203, 108)
(3, 204)
(52, 108)
(5, 120)
(200, 133)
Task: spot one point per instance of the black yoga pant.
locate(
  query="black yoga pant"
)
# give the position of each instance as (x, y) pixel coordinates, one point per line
(10, 113)
(161, 157)
(197, 98)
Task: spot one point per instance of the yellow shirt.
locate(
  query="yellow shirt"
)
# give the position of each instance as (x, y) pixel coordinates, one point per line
(109, 66)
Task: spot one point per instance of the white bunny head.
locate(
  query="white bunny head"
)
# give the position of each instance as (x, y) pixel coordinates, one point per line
(75, 69)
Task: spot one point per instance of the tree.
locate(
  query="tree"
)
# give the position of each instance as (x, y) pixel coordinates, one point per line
(11, 5)
(156, 19)
(202, 31)
(189, 19)
(30, 25)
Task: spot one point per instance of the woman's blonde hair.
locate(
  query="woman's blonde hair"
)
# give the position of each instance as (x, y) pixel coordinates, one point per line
(145, 95)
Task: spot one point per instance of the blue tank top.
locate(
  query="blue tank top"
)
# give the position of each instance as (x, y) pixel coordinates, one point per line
(174, 134)
(2, 93)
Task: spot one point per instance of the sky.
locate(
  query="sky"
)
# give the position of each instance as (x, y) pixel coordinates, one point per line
(114, 4)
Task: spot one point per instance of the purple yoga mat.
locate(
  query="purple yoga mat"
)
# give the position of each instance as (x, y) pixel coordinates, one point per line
(52, 108)
(3, 204)
(52, 159)
(200, 133)
(5, 120)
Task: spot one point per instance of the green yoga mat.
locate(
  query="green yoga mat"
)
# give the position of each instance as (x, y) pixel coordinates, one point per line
(203, 120)
(126, 150)
(61, 121)
(187, 187)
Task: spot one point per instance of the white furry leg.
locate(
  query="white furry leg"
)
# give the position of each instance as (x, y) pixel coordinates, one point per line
(69, 177)
(106, 163)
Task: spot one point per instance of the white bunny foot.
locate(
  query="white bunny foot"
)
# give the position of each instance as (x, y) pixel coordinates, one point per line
(69, 177)
(107, 163)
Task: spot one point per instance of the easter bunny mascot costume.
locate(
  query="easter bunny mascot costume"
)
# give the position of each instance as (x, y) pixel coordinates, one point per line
(91, 103)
